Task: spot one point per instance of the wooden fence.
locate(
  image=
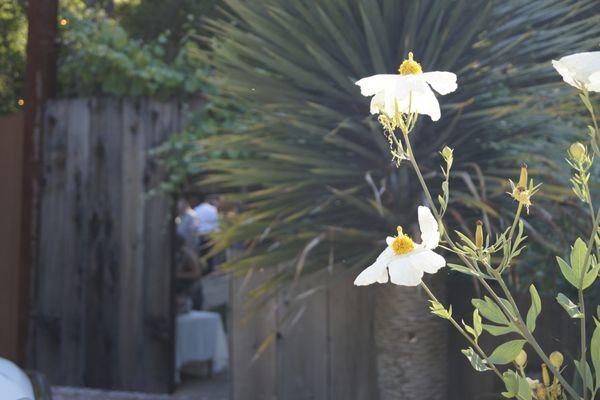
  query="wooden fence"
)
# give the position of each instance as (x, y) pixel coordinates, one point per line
(11, 161)
(102, 312)
(326, 354)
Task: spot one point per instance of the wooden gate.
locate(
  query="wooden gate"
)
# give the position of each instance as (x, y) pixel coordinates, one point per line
(102, 309)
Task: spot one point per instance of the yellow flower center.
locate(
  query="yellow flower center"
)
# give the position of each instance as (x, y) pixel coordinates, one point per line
(410, 66)
(402, 243)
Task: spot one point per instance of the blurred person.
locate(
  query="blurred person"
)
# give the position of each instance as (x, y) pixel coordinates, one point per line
(188, 224)
(208, 216)
(188, 270)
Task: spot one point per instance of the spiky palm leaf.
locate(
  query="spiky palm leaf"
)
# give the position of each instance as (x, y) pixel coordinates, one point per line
(319, 186)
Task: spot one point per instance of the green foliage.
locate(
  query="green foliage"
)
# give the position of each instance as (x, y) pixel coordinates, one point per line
(150, 19)
(507, 352)
(13, 37)
(477, 362)
(595, 355)
(535, 309)
(516, 386)
(99, 57)
(571, 308)
(183, 156)
(573, 273)
(319, 165)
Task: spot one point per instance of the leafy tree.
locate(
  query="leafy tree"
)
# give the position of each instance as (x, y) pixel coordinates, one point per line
(13, 37)
(98, 57)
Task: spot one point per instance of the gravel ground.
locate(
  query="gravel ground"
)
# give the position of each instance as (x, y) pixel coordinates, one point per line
(67, 393)
(214, 389)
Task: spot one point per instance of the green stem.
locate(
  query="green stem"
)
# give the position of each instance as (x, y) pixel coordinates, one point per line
(465, 334)
(516, 319)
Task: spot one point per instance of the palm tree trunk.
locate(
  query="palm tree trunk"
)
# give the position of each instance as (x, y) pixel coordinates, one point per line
(411, 344)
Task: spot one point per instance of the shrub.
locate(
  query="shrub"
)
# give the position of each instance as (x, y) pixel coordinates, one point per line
(318, 182)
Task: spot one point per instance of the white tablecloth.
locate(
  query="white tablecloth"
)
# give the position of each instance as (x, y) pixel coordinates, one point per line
(200, 337)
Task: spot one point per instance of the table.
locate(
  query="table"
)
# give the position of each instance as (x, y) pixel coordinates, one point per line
(200, 337)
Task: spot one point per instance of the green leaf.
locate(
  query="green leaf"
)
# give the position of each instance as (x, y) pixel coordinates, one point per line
(567, 272)
(496, 330)
(477, 325)
(535, 309)
(439, 310)
(589, 380)
(595, 354)
(578, 253)
(571, 308)
(516, 386)
(590, 276)
(467, 271)
(507, 352)
(477, 362)
(490, 310)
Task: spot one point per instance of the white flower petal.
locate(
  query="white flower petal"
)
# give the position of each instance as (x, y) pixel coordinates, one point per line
(374, 84)
(430, 234)
(378, 103)
(580, 69)
(594, 85)
(383, 277)
(411, 93)
(389, 240)
(403, 272)
(428, 261)
(443, 82)
(375, 272)
(426, 103)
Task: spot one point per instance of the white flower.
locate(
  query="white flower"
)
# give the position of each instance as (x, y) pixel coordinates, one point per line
(409, 90)
(405, 260)
(533, 383)
(580, 69)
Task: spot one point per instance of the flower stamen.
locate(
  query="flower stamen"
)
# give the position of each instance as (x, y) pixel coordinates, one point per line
(402, 243)
(410, 66)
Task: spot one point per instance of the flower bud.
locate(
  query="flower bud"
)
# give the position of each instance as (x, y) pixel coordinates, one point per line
(521, 359)
(557, 359)
(520, 192)
(578, 152)
(447, 153)
(545, 375)
(479, 239)
(523, 177)
(540, 392)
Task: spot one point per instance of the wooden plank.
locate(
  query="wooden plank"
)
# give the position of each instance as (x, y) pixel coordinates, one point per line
(303, 346)
(252, 379)
(352, 368)
(46, 330)
(11, 163)
(104, 220)
(60, 274)
(76, 246)
(131, 291)
(157, 302)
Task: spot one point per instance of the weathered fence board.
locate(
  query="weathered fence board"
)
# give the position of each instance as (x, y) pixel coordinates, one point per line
(252, 379)
(325, 354)
(11, 161)
(103, 311)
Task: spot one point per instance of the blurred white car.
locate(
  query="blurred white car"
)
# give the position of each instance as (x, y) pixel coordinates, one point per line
(14, 383)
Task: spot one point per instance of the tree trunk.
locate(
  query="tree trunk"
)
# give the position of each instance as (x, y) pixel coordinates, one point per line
(411, 343)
